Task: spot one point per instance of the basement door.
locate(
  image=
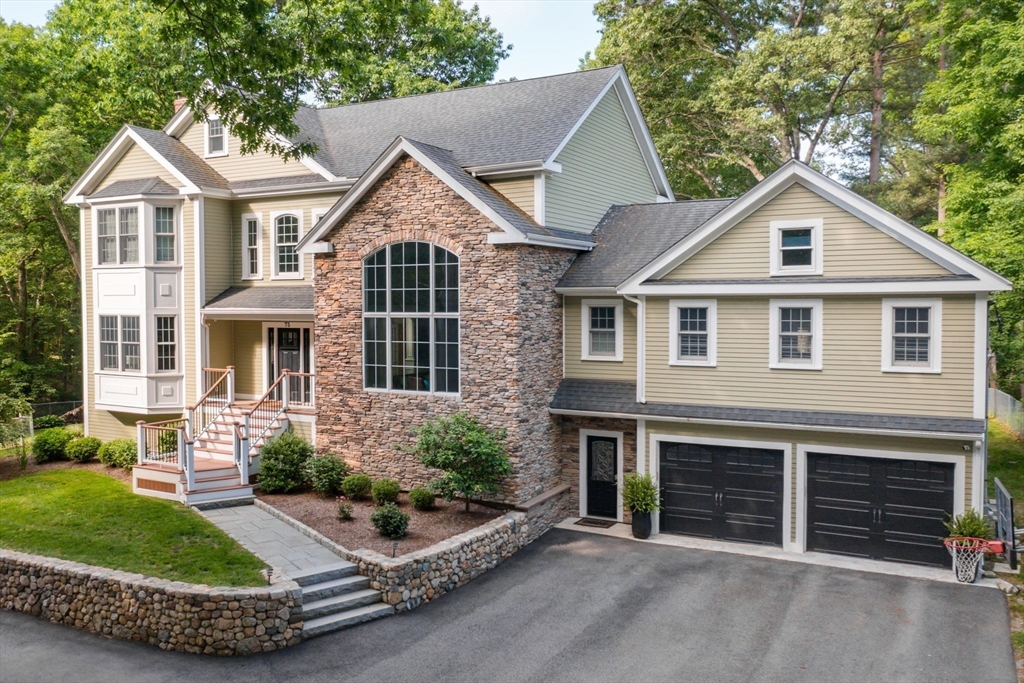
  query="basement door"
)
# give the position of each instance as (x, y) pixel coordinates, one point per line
(879, 508)
(728, 492)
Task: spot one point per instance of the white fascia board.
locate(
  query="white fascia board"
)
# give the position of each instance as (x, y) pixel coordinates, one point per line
(586, 291)
(817, 287)
(793, 171)
(161, 160)
(513, 169)
(131, 198)
(539, 240)
(306, 161)
(957, 436)
(216, 193)
(288, 314)
(180, 122)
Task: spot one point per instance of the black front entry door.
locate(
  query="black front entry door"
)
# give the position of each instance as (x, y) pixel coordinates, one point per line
(602, 470)
(879, 508)
(728, 492)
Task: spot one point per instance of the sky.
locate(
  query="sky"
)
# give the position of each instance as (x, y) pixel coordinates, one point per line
(548, 36)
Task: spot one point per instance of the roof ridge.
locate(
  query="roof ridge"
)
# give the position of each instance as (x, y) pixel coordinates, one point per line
(675, 203)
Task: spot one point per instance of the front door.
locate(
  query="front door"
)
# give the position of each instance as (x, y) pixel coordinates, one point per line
(290, 350)
(602, 471)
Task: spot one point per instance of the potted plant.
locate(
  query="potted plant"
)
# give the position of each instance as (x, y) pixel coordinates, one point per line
(640, 495)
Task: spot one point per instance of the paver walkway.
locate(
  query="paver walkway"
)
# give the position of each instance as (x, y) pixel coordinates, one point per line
(270, 539)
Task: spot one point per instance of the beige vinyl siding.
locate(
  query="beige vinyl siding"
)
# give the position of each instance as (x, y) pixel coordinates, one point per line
(624, 370)
(851, 379)
(519, 191)
(248, 357)
(304, 204)
(236, 166)
(825, 439)
(303, 428)
(601, 166)
(852, 248)
(221, 343)
(136, 164)
(217, 241)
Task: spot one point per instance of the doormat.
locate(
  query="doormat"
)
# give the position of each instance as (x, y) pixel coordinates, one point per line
(599, 523)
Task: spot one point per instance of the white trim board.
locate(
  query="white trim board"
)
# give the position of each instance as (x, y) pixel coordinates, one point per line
(620, 456)
(934, 366)
(585, 330)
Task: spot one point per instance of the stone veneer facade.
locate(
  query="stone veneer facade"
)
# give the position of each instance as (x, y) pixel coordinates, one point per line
(570, 444)
(510, 328)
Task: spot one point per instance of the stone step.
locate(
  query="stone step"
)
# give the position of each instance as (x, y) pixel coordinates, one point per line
(339, 603)
(217, 494)
(327, 572)
(328, 589)
(335, 622)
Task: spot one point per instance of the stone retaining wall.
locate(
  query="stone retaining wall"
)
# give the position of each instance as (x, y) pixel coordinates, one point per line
(169, 614)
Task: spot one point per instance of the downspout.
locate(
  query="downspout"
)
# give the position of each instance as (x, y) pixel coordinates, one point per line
(641, 345)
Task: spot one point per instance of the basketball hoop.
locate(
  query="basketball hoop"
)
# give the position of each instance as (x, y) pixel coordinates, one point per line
(967, 553)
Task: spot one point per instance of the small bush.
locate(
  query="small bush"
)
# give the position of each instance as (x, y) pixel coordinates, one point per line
(422, 498)
(345, 509)
(83, 449)
(282, 463)
(385, 491)
(47, 421)
(50, 445)
(325, 474)
(390, 521)
(972, 524)
(357, 486)
(122, 453)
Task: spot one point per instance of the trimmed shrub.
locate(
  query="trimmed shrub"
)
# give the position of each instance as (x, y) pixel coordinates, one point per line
(283, 462)
(47, 421)
(356, 486)
(83, 449)
(50, 445)
(346, 510)
(325, 473)
(422, 498)
(390, 521)
(385, 491)
(123, 453)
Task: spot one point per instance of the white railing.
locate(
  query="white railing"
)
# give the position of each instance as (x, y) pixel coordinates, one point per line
(1007, 410)
(220, 393)
(167, 443)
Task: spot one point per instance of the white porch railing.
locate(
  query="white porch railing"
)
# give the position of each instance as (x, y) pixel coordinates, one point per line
(167, 443)
(219, 395)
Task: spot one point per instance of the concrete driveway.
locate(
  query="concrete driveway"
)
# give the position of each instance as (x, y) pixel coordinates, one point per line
(581, 607)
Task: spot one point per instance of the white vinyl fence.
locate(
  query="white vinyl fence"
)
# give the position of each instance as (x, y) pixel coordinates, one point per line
(1007, 410)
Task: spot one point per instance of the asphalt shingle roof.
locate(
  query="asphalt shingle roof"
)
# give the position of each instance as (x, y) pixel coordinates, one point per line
(290, 297)
(182, 158)
(277, 182)
(140, 186)
(629, 237)
(600, 396)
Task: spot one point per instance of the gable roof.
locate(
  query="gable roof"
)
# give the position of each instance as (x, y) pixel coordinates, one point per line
(629, 237)
(789, 173)
(123, 188)
(516, 225)
(182, 158)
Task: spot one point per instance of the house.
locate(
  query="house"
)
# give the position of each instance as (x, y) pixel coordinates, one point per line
(796, 366)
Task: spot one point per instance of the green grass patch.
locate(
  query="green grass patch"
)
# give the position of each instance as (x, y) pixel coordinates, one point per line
(89, 517)
(1006, 461)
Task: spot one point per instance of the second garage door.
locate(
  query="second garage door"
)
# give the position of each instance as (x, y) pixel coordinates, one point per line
(727, 492)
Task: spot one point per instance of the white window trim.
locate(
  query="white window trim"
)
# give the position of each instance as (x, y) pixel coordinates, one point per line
(318, 213)
(206, 139)
(817, 327)
(144, 341)
(265, 349)
(775, 259)
(177, 344)
(934, 366)
(587, 304)
(272, 234)
(673, 332)
(258, 275)
(151, 222)
(618, 436)
(145, 223)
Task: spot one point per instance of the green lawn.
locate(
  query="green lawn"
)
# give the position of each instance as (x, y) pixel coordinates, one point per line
(89, 517)
(1006, 461)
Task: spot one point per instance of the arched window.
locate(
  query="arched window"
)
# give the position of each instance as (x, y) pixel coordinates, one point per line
(286, 236)
(411, 318)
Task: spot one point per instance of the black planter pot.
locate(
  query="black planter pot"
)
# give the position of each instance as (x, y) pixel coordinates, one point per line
(641, 524)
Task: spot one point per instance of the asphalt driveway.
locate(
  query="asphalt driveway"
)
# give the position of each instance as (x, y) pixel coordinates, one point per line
(581, 607)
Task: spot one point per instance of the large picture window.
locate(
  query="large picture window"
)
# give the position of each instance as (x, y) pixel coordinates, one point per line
(411, 318)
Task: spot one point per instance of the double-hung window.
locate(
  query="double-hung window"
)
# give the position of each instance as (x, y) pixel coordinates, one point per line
(128, 234)
(411, 318)
(911, 335)
(166, 343)
(796, 247)
(216, 140)
(117, 235)
(163, 229)
(287, 260)
(252, 247)
(602, 329)
(693, 332)
(120, 343)
(106, 236)
(796, 334)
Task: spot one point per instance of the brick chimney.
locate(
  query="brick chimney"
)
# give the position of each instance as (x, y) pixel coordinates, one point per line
(179, 103)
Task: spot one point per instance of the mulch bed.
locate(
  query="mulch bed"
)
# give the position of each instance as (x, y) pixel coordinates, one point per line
(9, 468)
(425, 528)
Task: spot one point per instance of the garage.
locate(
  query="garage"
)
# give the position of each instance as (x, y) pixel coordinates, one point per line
(879, 508)
(729, 492)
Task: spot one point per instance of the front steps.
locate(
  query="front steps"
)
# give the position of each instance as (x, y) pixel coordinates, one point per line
(336, 597)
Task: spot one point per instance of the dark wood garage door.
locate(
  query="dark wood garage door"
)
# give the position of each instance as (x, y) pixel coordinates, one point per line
(725, 492)
(879, 508)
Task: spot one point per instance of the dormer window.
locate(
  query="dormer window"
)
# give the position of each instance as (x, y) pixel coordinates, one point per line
(216, 139)
(796, 247)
